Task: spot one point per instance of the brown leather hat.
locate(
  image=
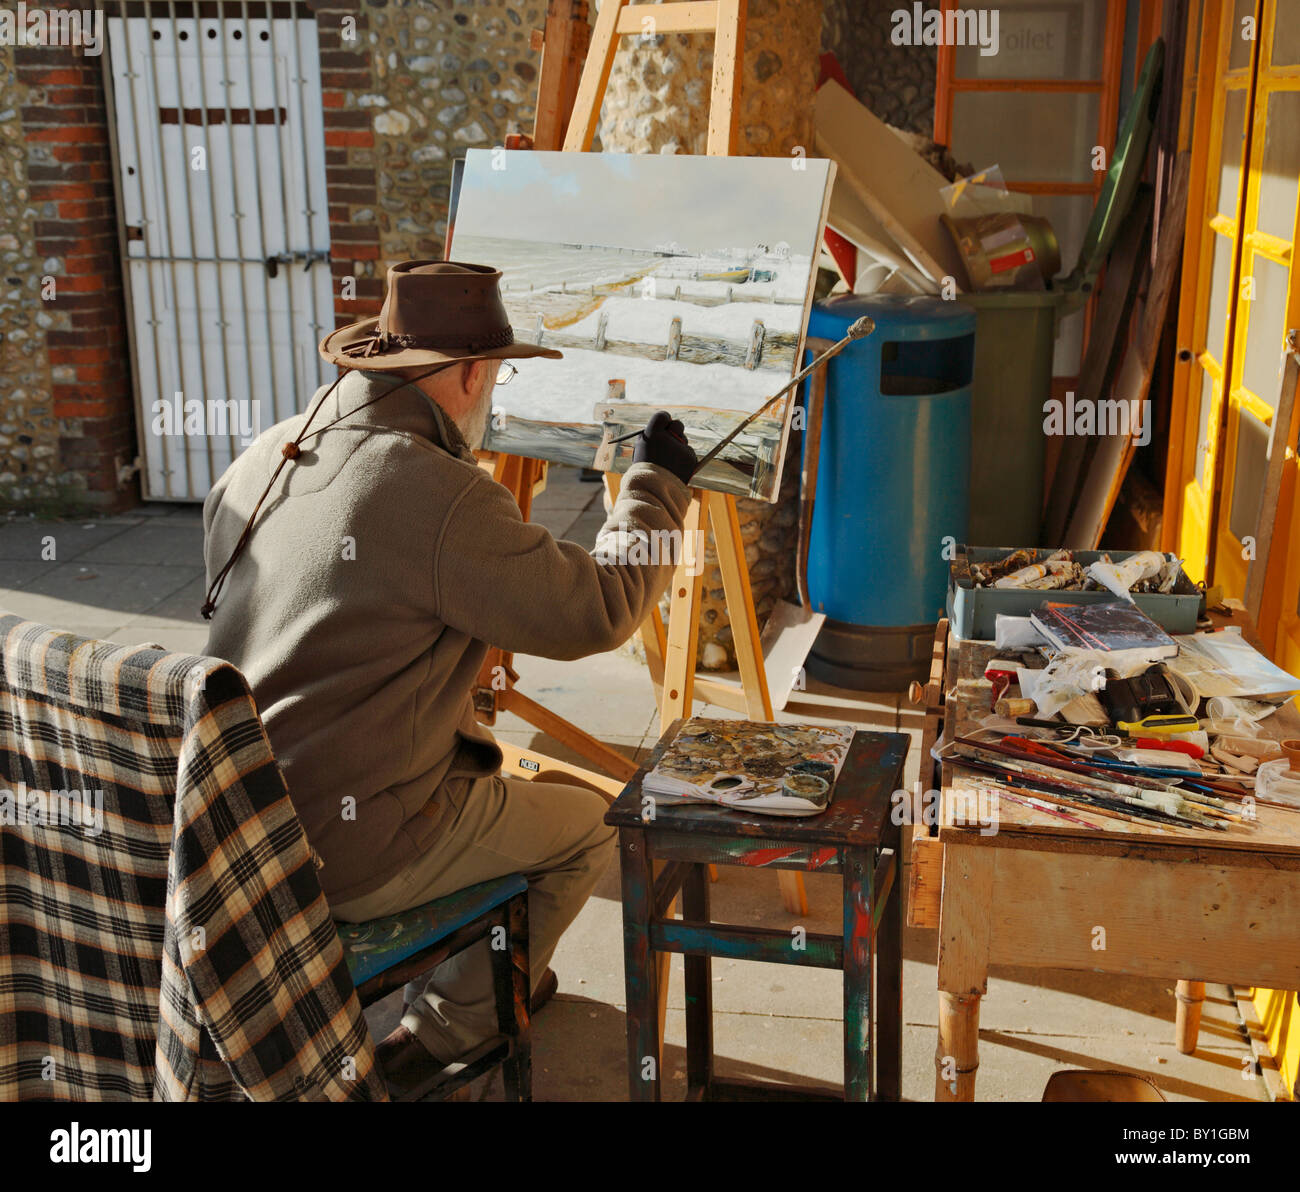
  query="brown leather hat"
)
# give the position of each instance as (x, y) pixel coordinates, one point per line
(433, 311)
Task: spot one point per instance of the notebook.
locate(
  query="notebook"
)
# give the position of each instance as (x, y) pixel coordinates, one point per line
(1113, 627)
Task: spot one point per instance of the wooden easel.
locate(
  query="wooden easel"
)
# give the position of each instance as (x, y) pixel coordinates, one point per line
(671, 650)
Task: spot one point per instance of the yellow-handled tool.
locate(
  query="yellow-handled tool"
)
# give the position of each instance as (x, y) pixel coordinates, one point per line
(1159, 726)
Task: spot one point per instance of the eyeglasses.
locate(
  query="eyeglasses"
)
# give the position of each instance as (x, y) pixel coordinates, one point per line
(506, 373)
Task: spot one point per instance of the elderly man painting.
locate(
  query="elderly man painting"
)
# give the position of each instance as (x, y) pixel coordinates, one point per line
(360, 563)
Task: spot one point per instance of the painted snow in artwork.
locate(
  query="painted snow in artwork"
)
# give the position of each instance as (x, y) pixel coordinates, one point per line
(668, 282)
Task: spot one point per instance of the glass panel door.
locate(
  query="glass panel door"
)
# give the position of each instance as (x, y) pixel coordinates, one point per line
(1264, 308)
(1210, 263)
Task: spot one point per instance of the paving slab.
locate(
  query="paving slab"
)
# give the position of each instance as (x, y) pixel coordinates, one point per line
(28, 539)
(100, 595)
(154, 541)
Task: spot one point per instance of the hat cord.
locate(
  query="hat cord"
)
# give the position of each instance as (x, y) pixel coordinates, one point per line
(292, 450)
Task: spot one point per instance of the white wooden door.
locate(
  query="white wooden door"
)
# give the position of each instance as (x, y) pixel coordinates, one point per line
(220, 153)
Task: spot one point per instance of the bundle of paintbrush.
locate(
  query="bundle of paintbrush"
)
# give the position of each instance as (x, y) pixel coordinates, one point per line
(1029, 765)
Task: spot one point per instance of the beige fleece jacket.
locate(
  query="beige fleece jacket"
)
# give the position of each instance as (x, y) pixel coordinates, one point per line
(383, 563)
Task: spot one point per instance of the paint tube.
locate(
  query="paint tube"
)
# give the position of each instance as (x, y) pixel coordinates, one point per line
(1277, 782)
(1120, 578)
(1036, 571)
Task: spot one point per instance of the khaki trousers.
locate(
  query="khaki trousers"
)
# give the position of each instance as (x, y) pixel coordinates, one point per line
(553, 834)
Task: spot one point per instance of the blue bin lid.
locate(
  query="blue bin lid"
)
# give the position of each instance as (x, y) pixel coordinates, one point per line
(897, 316)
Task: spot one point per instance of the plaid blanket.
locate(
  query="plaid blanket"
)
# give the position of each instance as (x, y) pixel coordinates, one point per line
(162, 932)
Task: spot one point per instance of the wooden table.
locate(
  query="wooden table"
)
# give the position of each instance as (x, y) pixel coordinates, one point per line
(1117, 897)
(664, 849)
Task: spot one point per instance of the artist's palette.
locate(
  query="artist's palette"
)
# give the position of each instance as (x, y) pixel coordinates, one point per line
(776, 760)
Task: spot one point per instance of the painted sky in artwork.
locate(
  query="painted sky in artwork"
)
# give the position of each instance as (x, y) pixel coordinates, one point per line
(640, 201)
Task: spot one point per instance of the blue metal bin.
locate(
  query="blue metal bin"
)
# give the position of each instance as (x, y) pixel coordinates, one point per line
(893, 487)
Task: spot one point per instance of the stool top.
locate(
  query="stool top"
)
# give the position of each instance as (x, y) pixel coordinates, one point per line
(858, 814)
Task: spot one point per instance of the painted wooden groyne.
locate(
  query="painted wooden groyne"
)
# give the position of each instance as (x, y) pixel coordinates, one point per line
(764, 348)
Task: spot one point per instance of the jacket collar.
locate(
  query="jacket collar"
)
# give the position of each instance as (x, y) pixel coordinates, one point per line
(405, 409)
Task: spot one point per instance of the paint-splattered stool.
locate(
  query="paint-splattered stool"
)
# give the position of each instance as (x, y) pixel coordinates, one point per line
(664, 850)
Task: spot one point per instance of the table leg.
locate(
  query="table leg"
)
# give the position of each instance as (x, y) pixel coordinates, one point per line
(644, 1037)
(1191, 996)
(889, 988)
(956, 1059)
(964, 927)
(859, 955)
(699, 990)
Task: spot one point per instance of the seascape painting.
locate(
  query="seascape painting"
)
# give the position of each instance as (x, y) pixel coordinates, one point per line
(669, 282)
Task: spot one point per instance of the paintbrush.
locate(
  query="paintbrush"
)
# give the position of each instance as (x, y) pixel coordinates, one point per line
(858, 329)
(1140, 801)
(1046, 756)
(1046, 809)
(1052, 793)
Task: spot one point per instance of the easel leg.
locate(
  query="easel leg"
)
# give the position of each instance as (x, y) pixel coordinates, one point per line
(725, 519)
(683, 624)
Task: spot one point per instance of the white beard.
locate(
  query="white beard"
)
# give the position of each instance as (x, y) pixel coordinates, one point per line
(473, 424)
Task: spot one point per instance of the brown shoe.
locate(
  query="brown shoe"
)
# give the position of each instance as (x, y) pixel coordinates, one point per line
(407, 1063)
(546, 989)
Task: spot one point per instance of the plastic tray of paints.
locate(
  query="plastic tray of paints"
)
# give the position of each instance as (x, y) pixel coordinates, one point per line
(973, 610)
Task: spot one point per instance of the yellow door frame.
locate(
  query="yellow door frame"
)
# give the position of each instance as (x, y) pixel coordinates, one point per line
(1198, 476)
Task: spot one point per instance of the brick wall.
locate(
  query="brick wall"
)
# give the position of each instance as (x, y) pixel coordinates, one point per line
(75, 231)
(347, 71)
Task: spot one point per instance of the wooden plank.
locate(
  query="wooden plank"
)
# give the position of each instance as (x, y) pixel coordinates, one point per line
(595, 78)
(564, 19)
(569, 735)
(748, 851)
(1114, 308)
(1114, 451)
(651, 634)
(649, 20)
(645, 975)
(1224, 922)
(858, 961)
(521, 762)
(852, 218)
(925, 863)
(1257, 574)
(725, 519)
(683, 625)
(965, 930)
(728, 53)
(1256, 1033)
(1190, 1000)
(770, 944)
(899, 187)
(788, 635)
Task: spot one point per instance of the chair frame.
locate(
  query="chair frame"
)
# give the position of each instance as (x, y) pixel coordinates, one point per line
(511, 982)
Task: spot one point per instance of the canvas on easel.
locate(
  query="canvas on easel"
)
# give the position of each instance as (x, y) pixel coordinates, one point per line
(673, 282)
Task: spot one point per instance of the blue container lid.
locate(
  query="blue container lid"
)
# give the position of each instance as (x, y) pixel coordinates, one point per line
(897, 316)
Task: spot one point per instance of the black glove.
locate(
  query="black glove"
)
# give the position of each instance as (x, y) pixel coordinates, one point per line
(663, 442)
